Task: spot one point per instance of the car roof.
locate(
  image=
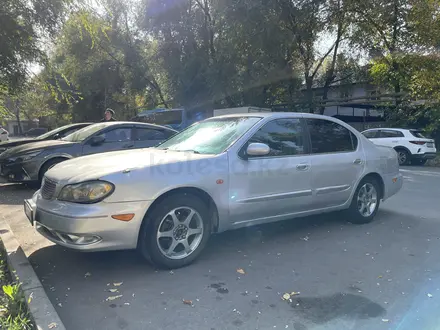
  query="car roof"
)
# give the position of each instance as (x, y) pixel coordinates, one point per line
(114, 123)
(389, 129)
(276, 115)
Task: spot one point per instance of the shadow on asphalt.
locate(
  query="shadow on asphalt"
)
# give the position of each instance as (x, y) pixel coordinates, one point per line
(323, 309)
(13, 193)
(218, 247)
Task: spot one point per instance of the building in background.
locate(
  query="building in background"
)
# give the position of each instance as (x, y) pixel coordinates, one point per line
(12, 125)
(360, 104)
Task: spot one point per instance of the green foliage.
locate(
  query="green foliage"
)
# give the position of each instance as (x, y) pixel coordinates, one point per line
(13, 310)
(17, 316)
(23, 24)
(218, 53)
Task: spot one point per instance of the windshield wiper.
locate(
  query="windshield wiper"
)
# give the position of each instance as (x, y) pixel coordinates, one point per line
(189, 150)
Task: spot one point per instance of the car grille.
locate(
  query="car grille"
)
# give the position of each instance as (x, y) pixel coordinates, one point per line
(48, 189)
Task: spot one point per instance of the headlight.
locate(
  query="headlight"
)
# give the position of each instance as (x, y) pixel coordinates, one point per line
(86, 192)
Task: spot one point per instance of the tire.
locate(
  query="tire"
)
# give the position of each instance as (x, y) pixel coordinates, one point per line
(419, 162)
(47, 166)
(403, 156)
(366, 215)
(175, 231)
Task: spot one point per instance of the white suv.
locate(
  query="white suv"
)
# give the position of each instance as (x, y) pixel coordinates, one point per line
(410, 144)
(4, 135)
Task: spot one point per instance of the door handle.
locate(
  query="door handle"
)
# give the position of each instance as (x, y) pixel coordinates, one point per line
(358, 161)
(302, 167)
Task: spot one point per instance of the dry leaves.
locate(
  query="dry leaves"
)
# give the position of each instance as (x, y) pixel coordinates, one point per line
(187, 302)
(52, 325)
(287, 295)
(118, 284)
(113, 297)
(113, 290)
(241, 271)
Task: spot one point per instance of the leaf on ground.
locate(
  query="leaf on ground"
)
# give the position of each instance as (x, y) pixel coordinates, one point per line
(241, 271)
(385, 320)
(113, 290)
(429, 295)
(286, 296)
(114, 297)
(187, 302)
(118, 283)
(52, 325)
(293, 293)
(87, 274)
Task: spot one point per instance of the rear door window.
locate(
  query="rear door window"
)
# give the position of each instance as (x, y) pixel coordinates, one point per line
(330, 137)
(391, 134)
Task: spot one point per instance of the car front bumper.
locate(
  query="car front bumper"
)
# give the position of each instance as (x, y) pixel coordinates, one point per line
(86, 227)
(18, 171)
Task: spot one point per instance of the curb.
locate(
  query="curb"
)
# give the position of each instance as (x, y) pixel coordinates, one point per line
(41, 309)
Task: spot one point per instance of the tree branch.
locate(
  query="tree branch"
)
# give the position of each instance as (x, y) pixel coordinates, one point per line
(322, 60)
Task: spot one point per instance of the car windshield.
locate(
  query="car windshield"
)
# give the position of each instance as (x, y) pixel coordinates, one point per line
(84, 133)
(211, 136)
(52, 132)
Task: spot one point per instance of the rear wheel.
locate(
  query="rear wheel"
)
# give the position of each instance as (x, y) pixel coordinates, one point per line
(419, 161)
(175, 232)
(365, 201)
(403, 156)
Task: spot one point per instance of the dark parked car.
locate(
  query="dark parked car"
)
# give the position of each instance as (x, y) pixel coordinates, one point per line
(55, 134)
(29, 162)
(34, 132)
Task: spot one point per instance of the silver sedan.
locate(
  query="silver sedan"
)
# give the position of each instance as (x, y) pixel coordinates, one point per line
(219, 174)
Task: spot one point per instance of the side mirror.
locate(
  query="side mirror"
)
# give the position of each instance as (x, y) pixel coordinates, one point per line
(57, 137)
(97, 140)
(257, 149)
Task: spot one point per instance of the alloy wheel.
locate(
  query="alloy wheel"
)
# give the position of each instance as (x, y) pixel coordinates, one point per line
(180, 233)
(367, 200)
(402, 157)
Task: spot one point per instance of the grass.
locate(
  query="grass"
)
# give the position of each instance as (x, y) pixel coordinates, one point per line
(14, 314)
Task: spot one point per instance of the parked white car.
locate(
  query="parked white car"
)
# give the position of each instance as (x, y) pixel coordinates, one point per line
(4, 135)
(410, 144)
(219, 174)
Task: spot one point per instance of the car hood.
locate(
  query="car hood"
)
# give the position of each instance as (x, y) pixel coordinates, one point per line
(96, 166)
(33, 147)
(10, 144)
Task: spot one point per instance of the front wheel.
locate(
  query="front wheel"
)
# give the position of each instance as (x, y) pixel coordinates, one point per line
(365, 202)
(403, 156)
(176, 231)
(47, 166)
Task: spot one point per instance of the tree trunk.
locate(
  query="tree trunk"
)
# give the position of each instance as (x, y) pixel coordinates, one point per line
(330, 75)
(309, 94)
(17, 116)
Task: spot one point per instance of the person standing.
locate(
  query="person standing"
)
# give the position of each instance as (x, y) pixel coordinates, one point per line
(109, 115)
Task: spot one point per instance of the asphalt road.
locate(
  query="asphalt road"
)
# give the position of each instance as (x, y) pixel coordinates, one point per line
(383, 275)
